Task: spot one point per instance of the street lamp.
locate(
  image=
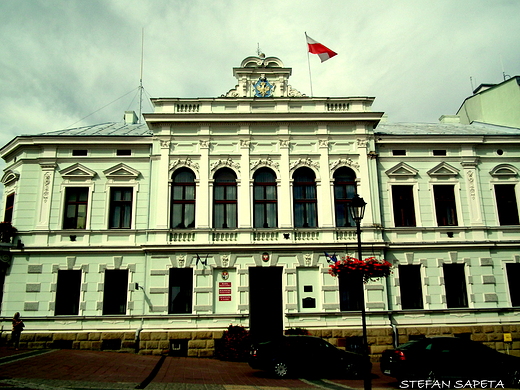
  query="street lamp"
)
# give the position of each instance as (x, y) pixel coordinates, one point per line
(357, 211)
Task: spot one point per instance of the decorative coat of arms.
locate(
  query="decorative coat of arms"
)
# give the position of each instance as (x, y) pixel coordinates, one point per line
(263, 88)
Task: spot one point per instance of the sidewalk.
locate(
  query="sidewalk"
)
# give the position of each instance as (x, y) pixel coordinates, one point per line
(75, 369)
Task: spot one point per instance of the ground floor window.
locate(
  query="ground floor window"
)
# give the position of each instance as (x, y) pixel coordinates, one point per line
(181, 291)
(68, 290)
(115, 291)
(350, 292)
(410, 286)
(455, 285)
(513, 276)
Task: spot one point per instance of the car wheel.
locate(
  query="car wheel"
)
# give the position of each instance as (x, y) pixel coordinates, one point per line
(353, 370)
(281, 370)
(514, 378)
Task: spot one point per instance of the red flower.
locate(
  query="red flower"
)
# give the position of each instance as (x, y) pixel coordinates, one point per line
(369, 269)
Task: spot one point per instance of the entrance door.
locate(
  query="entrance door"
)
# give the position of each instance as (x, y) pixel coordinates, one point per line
(265, 302)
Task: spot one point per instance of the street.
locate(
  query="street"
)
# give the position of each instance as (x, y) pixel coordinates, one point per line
(77, 369)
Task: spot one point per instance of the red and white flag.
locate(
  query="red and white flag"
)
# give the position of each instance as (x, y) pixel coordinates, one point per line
(317, 48)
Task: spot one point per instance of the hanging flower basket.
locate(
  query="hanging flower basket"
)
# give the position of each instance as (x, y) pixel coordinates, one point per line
(369, 269)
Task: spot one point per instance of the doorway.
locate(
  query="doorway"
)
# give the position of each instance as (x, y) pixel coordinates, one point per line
(265, 303)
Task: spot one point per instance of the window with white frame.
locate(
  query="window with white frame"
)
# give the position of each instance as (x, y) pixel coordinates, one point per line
(445, 206)
(304, 198)
(455, 285)
(75, 212)
(265, 199)
(182, 213)
(403, 205)
(344, 191)
(225, 199)
(506, 204)
(120, 212)
(68, 290)
(115, 293)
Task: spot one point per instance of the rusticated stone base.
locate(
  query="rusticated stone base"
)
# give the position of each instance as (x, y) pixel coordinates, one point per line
(202, 343)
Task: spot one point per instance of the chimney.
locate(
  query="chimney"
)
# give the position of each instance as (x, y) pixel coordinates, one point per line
(130, 118)
(449, 119)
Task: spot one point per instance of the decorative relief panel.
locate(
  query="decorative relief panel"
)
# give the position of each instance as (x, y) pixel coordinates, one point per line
(268, 162)
(343, 162)
(225, 163)
(187, 162)
(304, 162)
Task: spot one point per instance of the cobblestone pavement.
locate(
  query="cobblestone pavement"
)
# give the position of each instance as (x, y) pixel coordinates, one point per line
(74, 369)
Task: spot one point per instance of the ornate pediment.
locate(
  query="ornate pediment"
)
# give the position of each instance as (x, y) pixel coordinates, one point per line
(121, 172)
(225, 163)
(402, 170)
(443, 169)
(504, 170)
(77, 172)
(10, 177)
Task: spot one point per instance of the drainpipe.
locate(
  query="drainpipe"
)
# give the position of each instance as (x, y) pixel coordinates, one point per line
(138, 330)
(393, 322)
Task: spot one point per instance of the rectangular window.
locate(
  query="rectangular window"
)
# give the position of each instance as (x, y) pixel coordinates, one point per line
(121, 207)
(439, 152)
(68, 291)
(80, 152)
(399, 152)
(181, 290)
(455, 285)
(513, 276)
(410, 286)
(9, 206)
(350, 290)
(404, 209)
(123, 152)
(506, 204)
(75, 214)
(445, 208)
(115, 291)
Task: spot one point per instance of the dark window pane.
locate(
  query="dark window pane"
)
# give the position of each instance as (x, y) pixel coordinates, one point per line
(506, 204)
(304, 198)
(225, 199)
(445, 205)
(344, 191)
(9, 206)
(404, 211)
(115, 292)
(265, 199)
(182, 212)
(410, 286)
(181, 290)
(513, 278)
(350, 292)
(455, 285)
(68, 291)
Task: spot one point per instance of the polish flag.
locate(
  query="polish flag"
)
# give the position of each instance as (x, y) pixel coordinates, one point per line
(317, 48)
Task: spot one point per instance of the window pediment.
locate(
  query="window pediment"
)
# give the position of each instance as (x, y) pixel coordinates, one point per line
(504, 170)
(10, 177)
(121, 171)
(443, 169)
(77, 172)
(402, 170)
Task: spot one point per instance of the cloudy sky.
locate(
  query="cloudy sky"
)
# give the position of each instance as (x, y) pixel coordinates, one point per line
(63, 61)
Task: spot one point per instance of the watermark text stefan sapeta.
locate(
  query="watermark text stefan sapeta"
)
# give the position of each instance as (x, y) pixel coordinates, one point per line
(458, 384)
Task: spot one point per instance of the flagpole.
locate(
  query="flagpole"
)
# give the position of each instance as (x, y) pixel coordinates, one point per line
(309, 62)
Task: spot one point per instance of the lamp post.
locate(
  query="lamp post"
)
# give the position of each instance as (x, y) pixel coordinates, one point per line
(357, 211)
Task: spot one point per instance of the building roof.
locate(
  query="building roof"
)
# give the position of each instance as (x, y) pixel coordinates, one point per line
(104, 129)
(476, 128)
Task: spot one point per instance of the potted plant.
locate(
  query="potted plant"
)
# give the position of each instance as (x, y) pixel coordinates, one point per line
(369, 269)
(7, 231)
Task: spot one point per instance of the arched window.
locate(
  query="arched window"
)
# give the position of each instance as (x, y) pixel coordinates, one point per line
(225, 199)
(344, 191)
(182, 214)
(265, 199)
(304, 198)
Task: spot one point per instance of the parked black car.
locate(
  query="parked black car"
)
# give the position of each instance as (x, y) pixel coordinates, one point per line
(306, 355)
(450, 357)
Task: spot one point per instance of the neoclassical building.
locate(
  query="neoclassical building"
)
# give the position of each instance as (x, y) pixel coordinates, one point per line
(157, 236)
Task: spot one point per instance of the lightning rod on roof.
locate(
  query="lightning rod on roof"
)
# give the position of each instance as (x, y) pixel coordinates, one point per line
(141, 78)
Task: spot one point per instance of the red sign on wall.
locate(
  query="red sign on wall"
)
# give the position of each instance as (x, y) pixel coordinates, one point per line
(224, 284)
(224, 298)
(224, 291)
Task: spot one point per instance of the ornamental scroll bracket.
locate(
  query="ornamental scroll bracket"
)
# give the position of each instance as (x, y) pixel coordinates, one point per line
(225, 163)
(344, 162)
(304, 162)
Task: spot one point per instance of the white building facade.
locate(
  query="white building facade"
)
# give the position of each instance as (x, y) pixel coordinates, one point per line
(156, 237)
